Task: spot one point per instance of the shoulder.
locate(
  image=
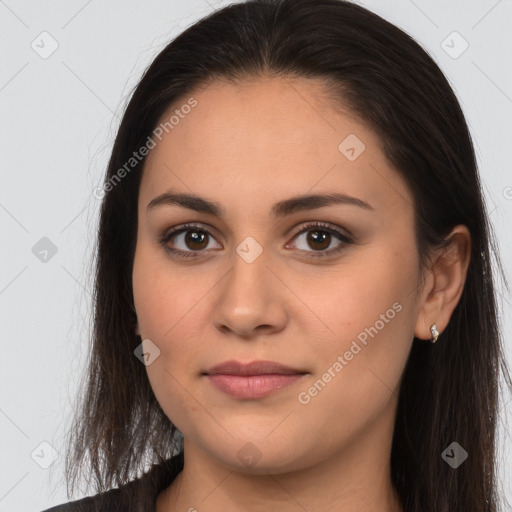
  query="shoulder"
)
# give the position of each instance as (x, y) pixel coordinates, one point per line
(109, 501)
(146, 488)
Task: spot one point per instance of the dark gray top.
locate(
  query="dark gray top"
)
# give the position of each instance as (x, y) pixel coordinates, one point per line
(122, 499)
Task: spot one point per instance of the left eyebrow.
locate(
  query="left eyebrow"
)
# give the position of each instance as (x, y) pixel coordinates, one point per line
(279, 209)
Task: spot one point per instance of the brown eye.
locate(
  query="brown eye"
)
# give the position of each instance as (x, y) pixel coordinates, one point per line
(187, 241)
(195, 240)
(318, 239)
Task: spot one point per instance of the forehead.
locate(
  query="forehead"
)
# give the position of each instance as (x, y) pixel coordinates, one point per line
(268, 137)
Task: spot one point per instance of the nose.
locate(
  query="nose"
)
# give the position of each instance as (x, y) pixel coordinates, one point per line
(250, 299)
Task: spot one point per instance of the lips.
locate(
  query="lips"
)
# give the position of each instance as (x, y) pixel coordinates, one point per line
(253, 368)
(253, 380)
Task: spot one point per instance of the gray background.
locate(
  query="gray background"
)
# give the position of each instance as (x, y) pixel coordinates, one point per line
(59, 114)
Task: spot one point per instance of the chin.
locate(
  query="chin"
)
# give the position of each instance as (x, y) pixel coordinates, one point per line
(260, 455)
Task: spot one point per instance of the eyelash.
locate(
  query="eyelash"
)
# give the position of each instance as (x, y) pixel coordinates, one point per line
(345, 240)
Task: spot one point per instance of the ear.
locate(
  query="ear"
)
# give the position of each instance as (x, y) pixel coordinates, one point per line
(444, 282)
(137, 330)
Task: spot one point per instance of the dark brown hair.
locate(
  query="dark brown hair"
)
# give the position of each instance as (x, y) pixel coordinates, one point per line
(450, 390)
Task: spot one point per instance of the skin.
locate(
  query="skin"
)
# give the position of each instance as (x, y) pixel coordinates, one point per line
(246, 147)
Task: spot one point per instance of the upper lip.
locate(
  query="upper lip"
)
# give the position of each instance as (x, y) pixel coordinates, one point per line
(252, 368)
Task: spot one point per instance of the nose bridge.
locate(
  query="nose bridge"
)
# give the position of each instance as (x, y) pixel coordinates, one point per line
(249, 270)
(248, 297)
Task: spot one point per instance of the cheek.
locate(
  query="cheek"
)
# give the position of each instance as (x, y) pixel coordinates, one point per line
(172, 312)
(363, 298)
(357, 374)
(164, 296)
(367, 325)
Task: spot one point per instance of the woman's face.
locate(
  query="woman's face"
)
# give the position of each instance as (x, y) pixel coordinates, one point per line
(338, 303)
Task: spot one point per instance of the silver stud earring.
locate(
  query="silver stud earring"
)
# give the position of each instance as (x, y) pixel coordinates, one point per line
(435, 333)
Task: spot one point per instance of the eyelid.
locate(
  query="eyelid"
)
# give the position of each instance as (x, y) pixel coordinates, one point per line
(337, 231)
(345, 239)
(324, 226)
(187, 226)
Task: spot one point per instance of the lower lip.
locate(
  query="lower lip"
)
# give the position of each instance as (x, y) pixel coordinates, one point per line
(252, 386)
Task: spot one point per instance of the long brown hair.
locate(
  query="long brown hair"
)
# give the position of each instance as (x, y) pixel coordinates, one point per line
(449, 391)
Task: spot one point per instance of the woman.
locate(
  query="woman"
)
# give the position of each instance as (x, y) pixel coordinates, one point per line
(294, 294)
